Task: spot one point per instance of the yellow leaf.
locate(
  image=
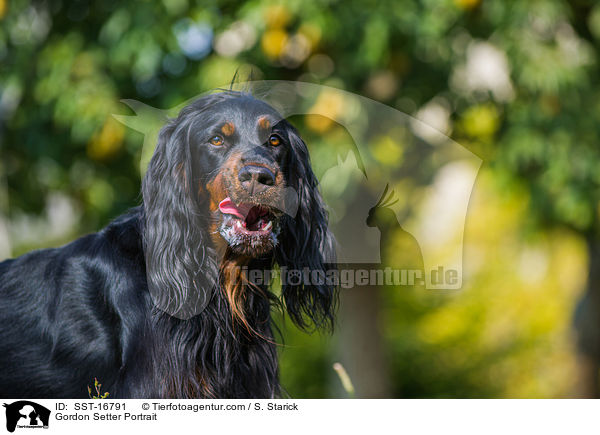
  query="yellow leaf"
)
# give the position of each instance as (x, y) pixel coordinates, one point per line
(467, 4)
(277, 16)
(107, 141)
(273, 41)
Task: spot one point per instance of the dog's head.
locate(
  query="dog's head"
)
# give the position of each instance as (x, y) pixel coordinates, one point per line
(231, 178)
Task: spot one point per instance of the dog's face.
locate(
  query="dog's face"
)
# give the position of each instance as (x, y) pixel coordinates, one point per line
(229, 170)
(239, 152)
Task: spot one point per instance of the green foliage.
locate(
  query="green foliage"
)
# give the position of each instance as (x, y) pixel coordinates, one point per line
(65, 67)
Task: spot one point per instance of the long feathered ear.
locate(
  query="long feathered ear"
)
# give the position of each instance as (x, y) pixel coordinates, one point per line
(306, 251)
(180, 265)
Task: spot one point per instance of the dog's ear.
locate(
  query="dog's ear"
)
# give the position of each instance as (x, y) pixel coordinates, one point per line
(306, 244)
(180, 265)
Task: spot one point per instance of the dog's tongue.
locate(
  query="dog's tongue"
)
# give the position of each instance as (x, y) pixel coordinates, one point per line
(228, 207)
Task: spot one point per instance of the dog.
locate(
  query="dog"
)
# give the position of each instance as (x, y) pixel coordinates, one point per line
(158, 304)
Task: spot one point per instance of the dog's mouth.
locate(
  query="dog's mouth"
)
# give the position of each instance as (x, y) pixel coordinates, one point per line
(249, 229)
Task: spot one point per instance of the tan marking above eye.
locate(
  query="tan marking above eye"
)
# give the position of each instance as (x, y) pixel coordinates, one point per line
(264, 123)
(228, 128)
(217, 140)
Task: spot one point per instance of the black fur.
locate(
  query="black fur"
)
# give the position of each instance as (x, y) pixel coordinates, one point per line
(99, 306)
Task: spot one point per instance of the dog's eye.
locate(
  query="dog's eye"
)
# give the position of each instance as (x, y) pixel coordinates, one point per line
(217, 140)
(274, 140)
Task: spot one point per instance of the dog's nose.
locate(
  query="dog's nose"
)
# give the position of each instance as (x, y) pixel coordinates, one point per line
(255, 179)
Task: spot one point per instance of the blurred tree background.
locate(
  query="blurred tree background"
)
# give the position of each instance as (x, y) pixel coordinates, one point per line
(517, 83)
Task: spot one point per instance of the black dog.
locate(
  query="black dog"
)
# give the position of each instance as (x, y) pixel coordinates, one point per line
(158, 303)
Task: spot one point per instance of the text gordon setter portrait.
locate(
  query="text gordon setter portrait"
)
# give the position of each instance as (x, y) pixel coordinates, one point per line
(154, 305)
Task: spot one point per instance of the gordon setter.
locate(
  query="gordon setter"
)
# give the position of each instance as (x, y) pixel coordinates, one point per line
(159, 304)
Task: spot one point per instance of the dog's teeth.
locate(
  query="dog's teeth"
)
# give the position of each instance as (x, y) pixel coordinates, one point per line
(268, 226)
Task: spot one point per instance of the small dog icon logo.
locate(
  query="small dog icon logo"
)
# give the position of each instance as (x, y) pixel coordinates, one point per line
(26, 414)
